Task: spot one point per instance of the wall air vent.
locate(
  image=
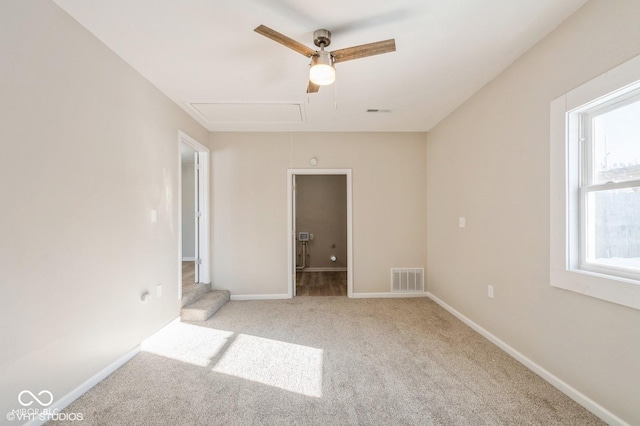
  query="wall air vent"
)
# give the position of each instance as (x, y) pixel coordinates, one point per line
(407, 280)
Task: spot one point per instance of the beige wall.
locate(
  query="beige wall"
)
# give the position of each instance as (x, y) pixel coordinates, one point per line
(489, 162)
(249, 204)
(90, 148)
(321, 210)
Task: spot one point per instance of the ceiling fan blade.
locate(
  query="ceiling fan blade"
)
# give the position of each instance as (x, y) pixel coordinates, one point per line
(285, 41)
(364, 50)
(312, 88)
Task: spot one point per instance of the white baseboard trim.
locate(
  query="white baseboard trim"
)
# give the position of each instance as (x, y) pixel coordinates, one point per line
(604, 414)
(327, 269)
(260, 296)
(169, 325)
(66, 400)
(188, 259)
(387, 295)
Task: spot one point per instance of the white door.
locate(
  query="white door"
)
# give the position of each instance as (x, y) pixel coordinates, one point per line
(198, 215)
(294, 261)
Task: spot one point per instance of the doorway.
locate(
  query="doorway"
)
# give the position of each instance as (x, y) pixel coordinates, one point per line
(320, 232)
(194, 213)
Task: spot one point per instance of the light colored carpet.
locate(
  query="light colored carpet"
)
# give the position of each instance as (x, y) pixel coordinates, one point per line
(326, 361)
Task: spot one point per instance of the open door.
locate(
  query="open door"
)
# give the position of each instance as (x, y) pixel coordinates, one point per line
(197, 215)
(201, 203)
(294, 237)
(200, 247)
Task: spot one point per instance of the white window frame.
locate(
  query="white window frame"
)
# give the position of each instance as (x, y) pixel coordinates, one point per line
(568, 269)
(584, 116)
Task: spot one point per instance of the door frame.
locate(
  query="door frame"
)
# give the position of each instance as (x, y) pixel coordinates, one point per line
(291, 264)
(203, 237)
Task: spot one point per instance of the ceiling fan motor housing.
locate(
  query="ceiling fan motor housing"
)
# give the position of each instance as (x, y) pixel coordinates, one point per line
(322, 38)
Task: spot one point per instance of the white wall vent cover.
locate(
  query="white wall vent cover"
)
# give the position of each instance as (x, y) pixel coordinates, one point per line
(407, 280)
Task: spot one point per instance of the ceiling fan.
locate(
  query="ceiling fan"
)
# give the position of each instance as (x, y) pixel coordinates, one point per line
(322, 71)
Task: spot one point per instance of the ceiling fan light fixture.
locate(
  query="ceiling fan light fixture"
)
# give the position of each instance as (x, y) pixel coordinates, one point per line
(322, 71)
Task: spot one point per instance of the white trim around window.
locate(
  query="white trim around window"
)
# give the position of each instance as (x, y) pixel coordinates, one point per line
(567, 269)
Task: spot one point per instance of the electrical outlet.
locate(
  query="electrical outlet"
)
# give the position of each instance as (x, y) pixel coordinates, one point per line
(462, 222)
(490, 291)
(159, 290)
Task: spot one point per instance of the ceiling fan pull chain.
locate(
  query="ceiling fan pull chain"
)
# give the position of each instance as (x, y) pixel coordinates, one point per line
(308, 91)
(335, 93)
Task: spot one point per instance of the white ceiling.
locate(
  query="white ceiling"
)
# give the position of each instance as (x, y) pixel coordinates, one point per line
(206, 52)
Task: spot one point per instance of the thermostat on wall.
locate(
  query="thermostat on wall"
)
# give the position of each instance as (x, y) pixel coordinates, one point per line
(303, 236)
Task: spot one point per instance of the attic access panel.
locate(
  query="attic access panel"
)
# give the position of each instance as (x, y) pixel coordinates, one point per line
(226, 113)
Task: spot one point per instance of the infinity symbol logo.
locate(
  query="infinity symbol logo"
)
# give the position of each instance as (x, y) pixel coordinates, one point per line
(26, 404)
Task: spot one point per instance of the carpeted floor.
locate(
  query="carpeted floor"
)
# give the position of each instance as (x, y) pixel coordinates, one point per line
(326, 361)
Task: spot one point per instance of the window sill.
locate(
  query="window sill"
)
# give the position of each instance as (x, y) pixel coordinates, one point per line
(622, 291)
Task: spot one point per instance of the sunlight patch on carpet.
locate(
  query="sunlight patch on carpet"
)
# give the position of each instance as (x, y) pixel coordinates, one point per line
(294, 368)
(188, 343)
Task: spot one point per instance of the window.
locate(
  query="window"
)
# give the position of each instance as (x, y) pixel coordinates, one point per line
(609, 190)
(595, 187)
